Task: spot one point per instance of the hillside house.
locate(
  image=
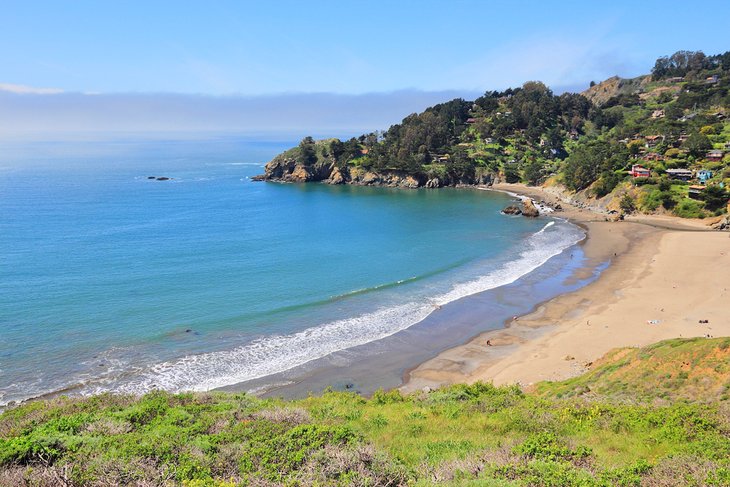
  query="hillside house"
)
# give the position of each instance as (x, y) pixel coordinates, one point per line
(680, 174)
(714, 155)
(711, 80)
(695, 192)
(471, 120)
(704, 175)
(657, 114)
(652, 156)
(639, 171)
(676, 79)
(683, 137)
(652, 140)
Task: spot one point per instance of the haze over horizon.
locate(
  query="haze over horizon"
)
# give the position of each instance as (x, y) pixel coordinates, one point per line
(300, 67)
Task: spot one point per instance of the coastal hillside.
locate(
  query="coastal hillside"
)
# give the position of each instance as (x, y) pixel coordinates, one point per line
(614, 86)
(659, 143)
(687, 370)
(618, 434)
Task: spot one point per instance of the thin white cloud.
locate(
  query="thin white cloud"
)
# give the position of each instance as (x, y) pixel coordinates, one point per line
(28, 90)
(300, 113)
(557, 58)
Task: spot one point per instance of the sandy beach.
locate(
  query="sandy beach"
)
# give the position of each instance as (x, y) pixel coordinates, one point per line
(665, 276)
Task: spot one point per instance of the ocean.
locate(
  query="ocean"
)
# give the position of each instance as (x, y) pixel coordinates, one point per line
(112, 281)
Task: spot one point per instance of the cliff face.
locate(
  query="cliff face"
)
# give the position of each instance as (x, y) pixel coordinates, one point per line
(614, 86)
(289, 168)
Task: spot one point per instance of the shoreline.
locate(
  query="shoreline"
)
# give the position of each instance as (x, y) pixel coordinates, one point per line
(561, 337)
(529, 348)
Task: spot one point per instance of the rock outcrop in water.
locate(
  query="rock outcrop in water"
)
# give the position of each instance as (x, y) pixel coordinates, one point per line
(529, 209)
(512, 210)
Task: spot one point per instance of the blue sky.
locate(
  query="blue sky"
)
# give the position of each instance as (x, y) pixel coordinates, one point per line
(352, 47)
(312, 67)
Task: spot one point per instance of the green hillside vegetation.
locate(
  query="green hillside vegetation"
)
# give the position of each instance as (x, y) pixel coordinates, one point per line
(689, 370)
(461, 435)
(588, 142)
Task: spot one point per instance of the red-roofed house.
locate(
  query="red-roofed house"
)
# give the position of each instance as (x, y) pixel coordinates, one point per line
(639, 171)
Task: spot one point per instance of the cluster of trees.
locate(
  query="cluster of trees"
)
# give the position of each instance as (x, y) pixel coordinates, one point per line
(529, 133)
(421, 137)
(594, 160)
(534, 109)
(682, 63)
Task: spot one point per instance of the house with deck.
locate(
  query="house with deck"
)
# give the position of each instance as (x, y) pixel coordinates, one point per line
(714, 155)
(639, 171)
(680, 174)
(695, 191)
(652, 140)
(652, 156)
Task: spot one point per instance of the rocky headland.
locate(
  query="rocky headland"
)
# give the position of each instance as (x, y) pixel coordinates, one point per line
(294, 167)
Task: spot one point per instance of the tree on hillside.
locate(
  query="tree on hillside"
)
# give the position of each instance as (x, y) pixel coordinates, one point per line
(533, 174)
(715, 197)
(587, 162)
(308, 152)
(697, 144)
(679, 64)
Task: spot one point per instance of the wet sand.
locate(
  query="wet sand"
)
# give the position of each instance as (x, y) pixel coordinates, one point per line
(665, 276)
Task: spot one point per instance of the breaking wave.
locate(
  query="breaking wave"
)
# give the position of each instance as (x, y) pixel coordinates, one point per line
(277, 353)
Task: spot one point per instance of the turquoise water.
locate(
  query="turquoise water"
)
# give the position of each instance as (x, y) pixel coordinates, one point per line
(112, 281)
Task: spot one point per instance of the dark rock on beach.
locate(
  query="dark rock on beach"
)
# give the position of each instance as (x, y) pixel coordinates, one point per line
(512, 210)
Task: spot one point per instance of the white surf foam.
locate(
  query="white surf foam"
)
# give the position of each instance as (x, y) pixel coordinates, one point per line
(274, 354)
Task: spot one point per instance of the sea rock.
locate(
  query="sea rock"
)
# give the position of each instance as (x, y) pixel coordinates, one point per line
(485, 179)
(512, 210)
(370, 178)
(433, 183)
(336, 177)
(300, 174)
(529, 209)
(409, 182)
(615, 217)
(722, 224)
(163, 178)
